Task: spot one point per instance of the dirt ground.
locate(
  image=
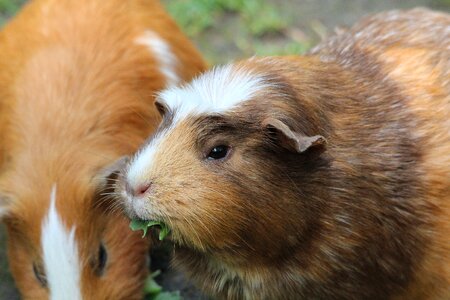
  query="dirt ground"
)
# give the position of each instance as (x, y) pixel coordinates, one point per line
(308, 21)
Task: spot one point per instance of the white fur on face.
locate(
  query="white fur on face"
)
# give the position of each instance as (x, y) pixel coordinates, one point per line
(60, 253)
(215, 92)
(161, 50)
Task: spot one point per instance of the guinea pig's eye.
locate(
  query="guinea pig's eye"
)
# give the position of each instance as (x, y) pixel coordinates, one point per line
(40, 274)
(99, 263)
(218, 152)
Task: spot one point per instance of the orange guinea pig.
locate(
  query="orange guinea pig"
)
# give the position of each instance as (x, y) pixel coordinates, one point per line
(324, 176)
(77, 84)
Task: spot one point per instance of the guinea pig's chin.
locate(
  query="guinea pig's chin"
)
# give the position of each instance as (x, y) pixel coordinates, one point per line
(139, 208)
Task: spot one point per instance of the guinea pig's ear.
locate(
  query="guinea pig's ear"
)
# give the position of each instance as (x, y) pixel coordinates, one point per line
(108, 176)
(291, 140)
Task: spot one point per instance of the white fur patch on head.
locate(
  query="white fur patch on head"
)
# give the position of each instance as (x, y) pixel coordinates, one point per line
(215, 92)
(60, 254)
(163, 54)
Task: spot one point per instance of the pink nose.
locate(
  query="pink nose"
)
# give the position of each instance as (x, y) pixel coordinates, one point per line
(141, 189)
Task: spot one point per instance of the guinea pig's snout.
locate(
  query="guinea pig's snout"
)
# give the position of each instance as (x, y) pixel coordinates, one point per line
(138, 190)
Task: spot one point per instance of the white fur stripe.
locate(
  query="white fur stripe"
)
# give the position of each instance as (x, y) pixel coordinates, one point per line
(216, 91)
(142, 160)
(61, 259)
(163, 54)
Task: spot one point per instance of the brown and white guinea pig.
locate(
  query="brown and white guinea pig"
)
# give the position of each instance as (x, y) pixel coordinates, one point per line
(77, 84)
(325, 176)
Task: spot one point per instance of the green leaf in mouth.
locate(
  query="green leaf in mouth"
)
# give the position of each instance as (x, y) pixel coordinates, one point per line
(144, 225)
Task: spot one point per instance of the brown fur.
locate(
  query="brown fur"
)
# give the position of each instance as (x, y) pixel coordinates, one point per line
(366, 216)
(76, 93)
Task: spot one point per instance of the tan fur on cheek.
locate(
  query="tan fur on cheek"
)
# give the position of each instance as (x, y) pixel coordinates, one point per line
(195, 207)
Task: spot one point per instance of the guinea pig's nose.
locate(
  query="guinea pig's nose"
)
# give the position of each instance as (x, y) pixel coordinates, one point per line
(140, 189)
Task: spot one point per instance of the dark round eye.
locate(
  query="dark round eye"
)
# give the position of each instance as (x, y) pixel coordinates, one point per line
(218, 152)
(39, 273)
(100, 261)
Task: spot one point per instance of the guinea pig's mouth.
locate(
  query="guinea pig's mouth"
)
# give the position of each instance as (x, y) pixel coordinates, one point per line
(144, 225)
